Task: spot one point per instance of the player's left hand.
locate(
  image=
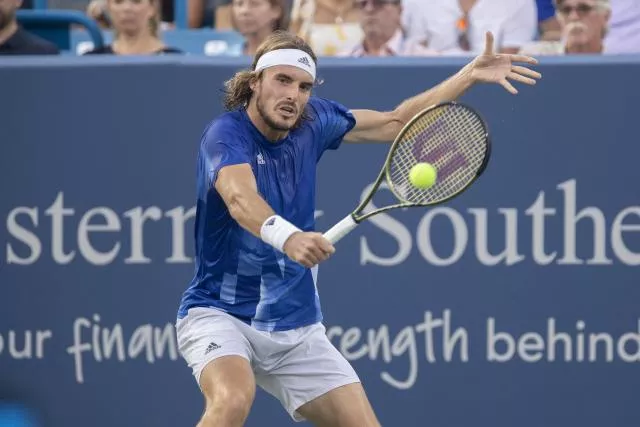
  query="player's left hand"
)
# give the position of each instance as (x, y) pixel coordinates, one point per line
(491, 67)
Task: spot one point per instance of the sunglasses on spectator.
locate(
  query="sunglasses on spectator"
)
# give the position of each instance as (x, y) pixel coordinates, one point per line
(581, 9)
(361, 4)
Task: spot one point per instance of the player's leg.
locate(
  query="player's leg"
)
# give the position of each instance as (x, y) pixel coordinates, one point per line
(314, 381)
(219, 354)
(345, 406)
(229, 387)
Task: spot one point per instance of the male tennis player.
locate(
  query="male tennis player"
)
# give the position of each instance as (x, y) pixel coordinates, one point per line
(251, 314)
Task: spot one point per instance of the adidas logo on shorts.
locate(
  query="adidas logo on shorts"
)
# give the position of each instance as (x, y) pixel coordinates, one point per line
(211, 347)
(305, 61)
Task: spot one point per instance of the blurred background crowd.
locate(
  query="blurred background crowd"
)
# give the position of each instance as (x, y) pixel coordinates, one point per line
(334, 27)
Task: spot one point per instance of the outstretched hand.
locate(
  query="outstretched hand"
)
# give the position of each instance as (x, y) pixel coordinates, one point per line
(491, 67)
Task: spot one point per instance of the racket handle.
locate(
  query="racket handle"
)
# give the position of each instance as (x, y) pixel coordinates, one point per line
(341, 229)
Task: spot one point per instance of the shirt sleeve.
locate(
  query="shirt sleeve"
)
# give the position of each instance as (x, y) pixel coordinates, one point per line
(546, 9)
(331, 122)
(414, 19)
(220, 147)
(522, 25)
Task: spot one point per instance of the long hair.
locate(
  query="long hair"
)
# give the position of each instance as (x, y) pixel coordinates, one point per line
(238, 89)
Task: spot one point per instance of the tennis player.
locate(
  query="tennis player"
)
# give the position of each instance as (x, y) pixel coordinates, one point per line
(251, 314)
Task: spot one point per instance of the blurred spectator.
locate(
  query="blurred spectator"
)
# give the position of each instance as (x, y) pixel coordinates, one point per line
(97, 10)
(459, 26)
(329, 26)
(383, 35)
(136, 27)
(548, 25)
(624, 27)
(14, 40)
(222, 15)
(584, 26)
(256, 20)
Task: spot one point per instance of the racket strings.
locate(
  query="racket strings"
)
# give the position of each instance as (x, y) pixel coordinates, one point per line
(450, 137)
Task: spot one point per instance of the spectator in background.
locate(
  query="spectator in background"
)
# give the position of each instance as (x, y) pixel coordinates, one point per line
(383, 34)
(223, 20)
(256, 20)
(97, 10)
(329, 26)
(459, 26)
(584, 26)
(136, 27)
(624, 27)
(548, 25)
(14, 40)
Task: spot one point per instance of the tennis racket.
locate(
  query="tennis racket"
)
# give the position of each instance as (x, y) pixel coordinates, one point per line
(452, 137)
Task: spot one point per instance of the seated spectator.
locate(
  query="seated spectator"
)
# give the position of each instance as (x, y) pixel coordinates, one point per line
(584, 26)
(459, 26)
(383, 35)
(223, 20)
(256, 20)
(329, 26)
(97, 10)
(548, 25)
(624, 27)
(135, 26)
(14, 40)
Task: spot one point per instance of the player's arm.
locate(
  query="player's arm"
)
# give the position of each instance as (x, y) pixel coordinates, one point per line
(373, 126)
(237, 186)
(379, 126)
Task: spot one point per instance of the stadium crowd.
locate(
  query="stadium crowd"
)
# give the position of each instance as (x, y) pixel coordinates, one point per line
(357, 27)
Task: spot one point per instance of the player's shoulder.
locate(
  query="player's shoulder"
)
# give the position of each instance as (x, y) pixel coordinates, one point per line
(318, 103)
(226, 127)
(318, 106)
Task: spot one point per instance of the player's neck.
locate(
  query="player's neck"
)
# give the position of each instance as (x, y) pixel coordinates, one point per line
(267, 131)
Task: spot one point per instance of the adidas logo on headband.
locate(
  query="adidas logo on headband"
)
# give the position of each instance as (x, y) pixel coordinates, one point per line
(304, 60)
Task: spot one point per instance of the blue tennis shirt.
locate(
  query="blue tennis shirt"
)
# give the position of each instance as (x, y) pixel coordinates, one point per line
(235, 271)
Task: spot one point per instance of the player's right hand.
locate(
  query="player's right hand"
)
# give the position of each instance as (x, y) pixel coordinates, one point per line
(308, 248)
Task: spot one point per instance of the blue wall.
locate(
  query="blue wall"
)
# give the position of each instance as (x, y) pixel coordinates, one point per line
(547, 334)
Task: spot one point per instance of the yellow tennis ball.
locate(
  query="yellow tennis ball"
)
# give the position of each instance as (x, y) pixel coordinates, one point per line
(423, 175)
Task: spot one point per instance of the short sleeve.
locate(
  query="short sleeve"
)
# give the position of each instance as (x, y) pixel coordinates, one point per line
(220, 147)
(331, 121)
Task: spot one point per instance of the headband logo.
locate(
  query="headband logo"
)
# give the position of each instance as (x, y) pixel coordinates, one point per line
(305, 61)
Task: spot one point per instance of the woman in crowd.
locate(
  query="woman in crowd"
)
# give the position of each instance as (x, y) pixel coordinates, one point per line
(256, 20)
(136, 29)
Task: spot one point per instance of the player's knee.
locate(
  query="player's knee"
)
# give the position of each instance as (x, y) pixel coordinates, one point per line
(233, 402)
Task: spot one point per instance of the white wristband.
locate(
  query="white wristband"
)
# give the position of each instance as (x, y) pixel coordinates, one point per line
(276, 230)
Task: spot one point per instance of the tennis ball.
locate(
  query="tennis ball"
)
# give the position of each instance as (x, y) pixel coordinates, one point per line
(423, 175)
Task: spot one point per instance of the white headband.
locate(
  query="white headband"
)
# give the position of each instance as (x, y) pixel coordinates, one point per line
(293, 57)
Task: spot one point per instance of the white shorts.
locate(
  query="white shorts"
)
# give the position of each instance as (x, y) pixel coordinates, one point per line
(294, 366)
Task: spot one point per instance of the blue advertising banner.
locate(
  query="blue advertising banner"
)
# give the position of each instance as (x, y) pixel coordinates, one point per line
(517, 304)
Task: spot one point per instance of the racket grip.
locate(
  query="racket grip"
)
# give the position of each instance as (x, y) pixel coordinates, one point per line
(341, 229)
